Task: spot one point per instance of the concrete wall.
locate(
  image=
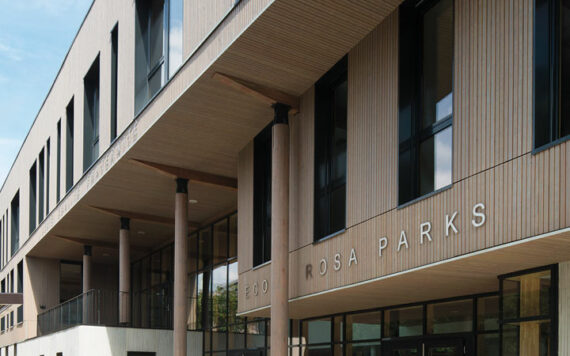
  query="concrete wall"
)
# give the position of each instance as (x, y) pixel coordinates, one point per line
(100, 341)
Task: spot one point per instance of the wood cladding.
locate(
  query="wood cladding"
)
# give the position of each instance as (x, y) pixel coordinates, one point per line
(524, 194)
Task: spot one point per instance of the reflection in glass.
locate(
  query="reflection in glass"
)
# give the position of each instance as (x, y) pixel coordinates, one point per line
(404, 321)
(317, 331)
(532, 336)
(233, 236)
(338, 329)
(443, 351)
(365, 326)
(175, 36)
(488, 345)
(436, 161)
(526, 295)
(363, 349)
(488, 313)
(220, 241)
(205, 248)
(192, 253)
(405, 351)
(450, 317)
(255, 334)
(219, 296)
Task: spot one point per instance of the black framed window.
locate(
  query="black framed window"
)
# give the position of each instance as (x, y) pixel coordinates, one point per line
(114, 79)
(331, 97)
(425, 97)
(91, 116)
(158, 46)
(58, 164)
(41, 185)
(48, 173)
(262, 196)
(551, 72)
(69, 112)
(528, 302)
(15, 224)
(33, 198)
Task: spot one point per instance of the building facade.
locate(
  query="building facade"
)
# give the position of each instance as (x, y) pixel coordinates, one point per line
(296, 177)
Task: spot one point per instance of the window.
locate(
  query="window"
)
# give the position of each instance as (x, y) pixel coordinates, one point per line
(158, 46)
(331, 94)
(3, 324)
(114, 79)
(528, 316)
(20, 277)
(262, 196)
(3, 286)
(15, 224)
(551, 71)
(58, 164)
(41, 188)
(69, 147)
(47, 174)
(12, 290)
(33, 197)
(91, 116)
(1, 242)
(20, 314)
(425, 97)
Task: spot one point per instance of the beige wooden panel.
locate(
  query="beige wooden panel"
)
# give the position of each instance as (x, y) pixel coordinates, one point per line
(564, 308)
(245, 208)
(200, 18)
(254, 288)
(492, 84)
(373, 123)
(301, 181)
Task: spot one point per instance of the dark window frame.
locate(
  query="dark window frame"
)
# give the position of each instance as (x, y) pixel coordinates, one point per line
(410, 83)
(324, 148)
(547, 69)
(69, 143)
(91, 114)
(114, 79)
(262, 163)
(33, 198)
(58, 164)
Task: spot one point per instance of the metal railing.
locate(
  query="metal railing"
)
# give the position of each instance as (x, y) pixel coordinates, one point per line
(95, 307)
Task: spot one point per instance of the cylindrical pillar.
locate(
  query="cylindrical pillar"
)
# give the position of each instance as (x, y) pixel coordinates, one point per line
(124, 273)
(87, 300)
(180, 267)
(280, 231)
(87, 252)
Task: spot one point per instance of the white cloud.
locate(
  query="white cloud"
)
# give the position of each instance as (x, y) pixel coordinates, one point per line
(10, 52)
(8, 150)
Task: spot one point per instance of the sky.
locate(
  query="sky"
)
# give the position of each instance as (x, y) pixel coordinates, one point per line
(35, 36)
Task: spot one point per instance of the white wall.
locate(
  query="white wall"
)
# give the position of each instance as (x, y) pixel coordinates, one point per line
(100, 341)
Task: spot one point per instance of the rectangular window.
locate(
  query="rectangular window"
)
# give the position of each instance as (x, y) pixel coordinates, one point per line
(33, 198)
(91, 116)
(41, 187)
(262, 196)
(114, 79)
(3, 324)
(158, 46)
(3, 286)
(425, 97)
(12, 319)
(69, 147)
(528, 316)
(12, 290)
(331, 96)
(20, 314)
(58, 164)
(47, 174)
(551, 72)
(20, 277)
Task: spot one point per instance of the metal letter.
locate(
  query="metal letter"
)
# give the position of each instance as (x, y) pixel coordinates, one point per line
(403, 240)
(479, 215)
(323, 267)
(382, 243)
(309, 271)
(424, 232)
(337, 264)
(449, 224)
(264, 286)
(352, 258)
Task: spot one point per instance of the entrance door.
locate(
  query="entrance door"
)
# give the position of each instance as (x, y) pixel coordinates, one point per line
(427, 347)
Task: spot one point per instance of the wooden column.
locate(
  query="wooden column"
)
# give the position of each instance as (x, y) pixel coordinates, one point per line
(124, 273)
(180, 266)
(530, 306)
(87, 300)
(280, 231)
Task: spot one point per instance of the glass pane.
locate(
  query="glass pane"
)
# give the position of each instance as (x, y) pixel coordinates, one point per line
(219, 338)
(363, 349)
(219, 296)
(317, 350)
(337, 350)
(364, 326)
(175, 36)
(405, 187)
(295, 337)
(155, 81)
(155, 269)
(233, 293)
(236, 337)
(488, 345)
(443, 351)
(317, 331)
(192, 253)
(205, 248)
(338, 169)
(405, 351)
(435, 161)
(437, 70)
(488, 313)
(193, 301)
(233, 236)
(220, 241)
(156, 32)
(166, 264)
(256, 334)
(404, 321)
(533, 337)
(526, 295)
(450, 317)
(338, 209)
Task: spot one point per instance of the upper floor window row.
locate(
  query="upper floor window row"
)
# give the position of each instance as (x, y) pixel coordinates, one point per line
(158, 46)
(551, 72)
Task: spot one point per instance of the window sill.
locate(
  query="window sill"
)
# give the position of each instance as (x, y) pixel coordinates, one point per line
(261, 265)
(328, 237)
(425, 196)
(550, 145)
